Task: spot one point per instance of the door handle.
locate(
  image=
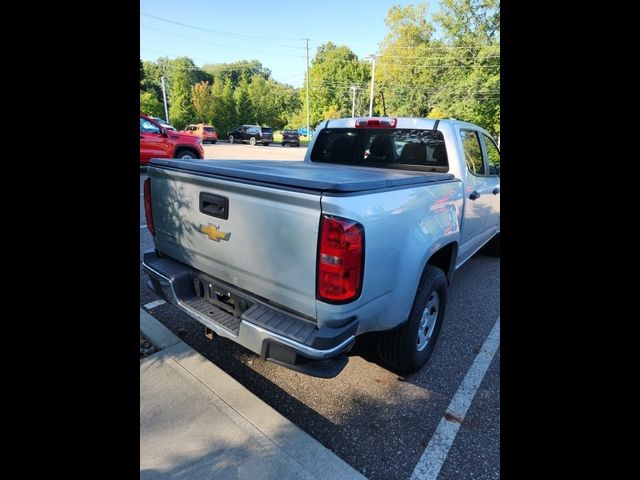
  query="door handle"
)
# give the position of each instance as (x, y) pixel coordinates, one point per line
(214, 205)
(474, 195)
(496, 191)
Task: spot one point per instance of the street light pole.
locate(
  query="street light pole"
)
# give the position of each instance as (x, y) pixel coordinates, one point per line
(353, 101)
(308, 131)
(164, 95)
(373, 74)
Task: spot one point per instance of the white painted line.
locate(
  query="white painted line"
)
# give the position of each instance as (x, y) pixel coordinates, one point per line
(142, 226)
(435, 454)
(154, 304)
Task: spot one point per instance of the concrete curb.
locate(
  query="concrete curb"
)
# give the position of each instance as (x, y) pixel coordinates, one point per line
(306, 457)
(159, 335)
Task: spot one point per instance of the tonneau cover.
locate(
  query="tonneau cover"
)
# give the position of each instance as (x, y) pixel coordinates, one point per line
(309, 176)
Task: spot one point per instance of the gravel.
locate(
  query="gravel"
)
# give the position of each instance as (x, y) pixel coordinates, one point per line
(146, 348)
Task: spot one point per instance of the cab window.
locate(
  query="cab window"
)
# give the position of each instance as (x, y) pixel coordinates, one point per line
(148, 127)
(493, 155)
(472, 151)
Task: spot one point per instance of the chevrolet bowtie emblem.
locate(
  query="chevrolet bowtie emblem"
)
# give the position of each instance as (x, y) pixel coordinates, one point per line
(213, 233)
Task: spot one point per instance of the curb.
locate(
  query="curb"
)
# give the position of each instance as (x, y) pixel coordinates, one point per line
(248, 411)
(159, 335)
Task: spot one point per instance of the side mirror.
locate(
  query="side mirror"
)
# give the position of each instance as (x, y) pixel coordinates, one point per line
(163, 131)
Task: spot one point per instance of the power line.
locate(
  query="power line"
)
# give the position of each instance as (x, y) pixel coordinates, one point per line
(229, 34)
(443, 47)
(220, 45)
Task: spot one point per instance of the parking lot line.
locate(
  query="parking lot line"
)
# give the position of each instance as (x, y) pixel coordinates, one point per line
(154, 304)
(435, 454)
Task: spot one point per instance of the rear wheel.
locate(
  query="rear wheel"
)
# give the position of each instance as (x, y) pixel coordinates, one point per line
(408, 347)
(252, 141)
(283, 144)
(186, 154)
(214, 142)
(230, 138)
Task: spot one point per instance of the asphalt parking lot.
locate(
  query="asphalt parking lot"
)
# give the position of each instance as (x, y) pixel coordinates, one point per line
(384, 425)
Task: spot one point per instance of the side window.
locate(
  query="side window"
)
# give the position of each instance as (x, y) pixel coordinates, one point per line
(493, 155)
(472, 151)
(147, 127)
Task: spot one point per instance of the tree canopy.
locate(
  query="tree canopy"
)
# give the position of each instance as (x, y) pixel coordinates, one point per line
(439, 66)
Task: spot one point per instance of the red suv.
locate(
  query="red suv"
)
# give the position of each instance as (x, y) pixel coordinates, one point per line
(157, 142)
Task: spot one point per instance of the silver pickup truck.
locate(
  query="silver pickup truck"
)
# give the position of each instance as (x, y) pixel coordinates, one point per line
(295, 260)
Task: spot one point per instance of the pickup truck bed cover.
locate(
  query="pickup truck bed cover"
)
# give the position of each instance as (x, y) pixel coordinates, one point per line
(310, 176)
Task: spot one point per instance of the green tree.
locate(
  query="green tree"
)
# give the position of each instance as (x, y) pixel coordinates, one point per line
(286, 102)
(333, 71)
(150, 105)
(180, 105)
(225, 117)
(202, 99)
(469, 81)
(404, 69)
(236, 70)
(244, 107)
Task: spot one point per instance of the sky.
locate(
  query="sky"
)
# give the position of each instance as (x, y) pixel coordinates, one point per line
(226, 31)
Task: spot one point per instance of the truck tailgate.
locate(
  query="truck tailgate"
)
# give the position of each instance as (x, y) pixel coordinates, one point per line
(266, 244)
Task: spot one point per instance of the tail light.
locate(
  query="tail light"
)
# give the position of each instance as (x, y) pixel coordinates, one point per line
(340, 259)
(376, 122)
(147, 206)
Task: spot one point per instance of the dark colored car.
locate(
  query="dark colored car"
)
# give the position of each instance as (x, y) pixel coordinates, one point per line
(290, 137)
(251, 134)
(158, 142)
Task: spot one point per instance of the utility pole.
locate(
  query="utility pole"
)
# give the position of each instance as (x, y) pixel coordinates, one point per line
(373, 74)
(308, 131)
(164, 95)
(353, 101)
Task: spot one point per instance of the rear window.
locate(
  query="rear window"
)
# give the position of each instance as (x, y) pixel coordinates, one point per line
(267, 131)
(209, 129)
(392, 148)
(291, 132)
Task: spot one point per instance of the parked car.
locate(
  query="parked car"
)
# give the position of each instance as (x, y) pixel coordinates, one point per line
(293, 260)
(251, 134)
(206, 133)
(303, 131)
(158, 142)
(163, 123)
(290, 137)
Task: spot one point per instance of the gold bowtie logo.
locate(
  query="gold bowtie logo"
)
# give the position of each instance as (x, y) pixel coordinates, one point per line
(213, 233)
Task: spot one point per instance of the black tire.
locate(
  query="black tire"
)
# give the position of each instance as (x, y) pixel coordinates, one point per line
(283, 144)
(230, 138)
(398, 348)
(214, 142)
(266, 144)
(252, 141)
(492, 248)
(186, 154)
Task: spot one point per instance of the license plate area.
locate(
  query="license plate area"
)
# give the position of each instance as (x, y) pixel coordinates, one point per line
(219, 296)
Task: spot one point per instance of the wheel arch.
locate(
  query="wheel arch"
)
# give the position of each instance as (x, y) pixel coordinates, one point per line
(181, 147)
(443, 257)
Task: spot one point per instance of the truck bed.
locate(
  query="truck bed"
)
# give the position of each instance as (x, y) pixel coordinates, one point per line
(321, 177)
